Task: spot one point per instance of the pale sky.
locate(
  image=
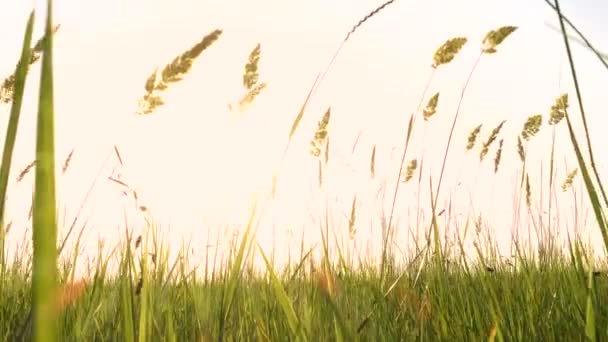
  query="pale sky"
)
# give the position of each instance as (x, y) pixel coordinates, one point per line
(197, 166)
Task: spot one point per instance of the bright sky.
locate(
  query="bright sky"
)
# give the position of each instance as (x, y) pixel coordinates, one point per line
(197, 166)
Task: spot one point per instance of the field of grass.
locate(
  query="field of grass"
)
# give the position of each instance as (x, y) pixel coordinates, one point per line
(439, 291)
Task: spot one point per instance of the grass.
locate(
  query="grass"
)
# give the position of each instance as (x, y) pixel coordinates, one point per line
(437, 291)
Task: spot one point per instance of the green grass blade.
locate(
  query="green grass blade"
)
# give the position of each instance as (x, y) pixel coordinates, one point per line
(44, 277)
(590, 331)
(11, 133)
(583, 116)
(126, 298)
(283, 299)
(235, 274)
(13, 123)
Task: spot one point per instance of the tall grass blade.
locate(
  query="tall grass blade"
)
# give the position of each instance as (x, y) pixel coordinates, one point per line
(13, 123)
(590, 330)
(580, 102)
(44, 277)
(284, 301)
(235, 273)
(593, 196)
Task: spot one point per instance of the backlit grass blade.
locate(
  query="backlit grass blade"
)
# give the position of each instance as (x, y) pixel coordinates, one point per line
(235, 274)
(580, 104)
(44, 277)
(591, 190)
(590, 330)
(125, 293)
(284, 301)
(13, 123)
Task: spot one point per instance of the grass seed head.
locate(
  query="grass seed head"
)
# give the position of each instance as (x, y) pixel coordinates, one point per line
(410, 170)
(520, 149)
(532, 126)
(495, 38)
(251, 75)
(172, 73)
(558, 110)
(493, 135)
(431, 107)
(7, 88)
(498, 156)
(569, 179)
(320, 134)
(446, 52)
(473, 137)
(25, 171)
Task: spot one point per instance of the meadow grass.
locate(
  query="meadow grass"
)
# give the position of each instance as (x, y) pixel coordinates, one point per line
(435, 292)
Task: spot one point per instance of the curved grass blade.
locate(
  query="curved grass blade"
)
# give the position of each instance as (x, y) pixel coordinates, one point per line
(9, 85)
(580, 102)
(591, 190)
(13, 123)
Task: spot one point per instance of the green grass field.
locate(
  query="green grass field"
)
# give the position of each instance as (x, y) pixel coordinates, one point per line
(436, 292)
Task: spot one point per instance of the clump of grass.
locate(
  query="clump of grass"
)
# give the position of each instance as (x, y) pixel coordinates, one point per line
(460, 302)
(489, 46)
(442, 56)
